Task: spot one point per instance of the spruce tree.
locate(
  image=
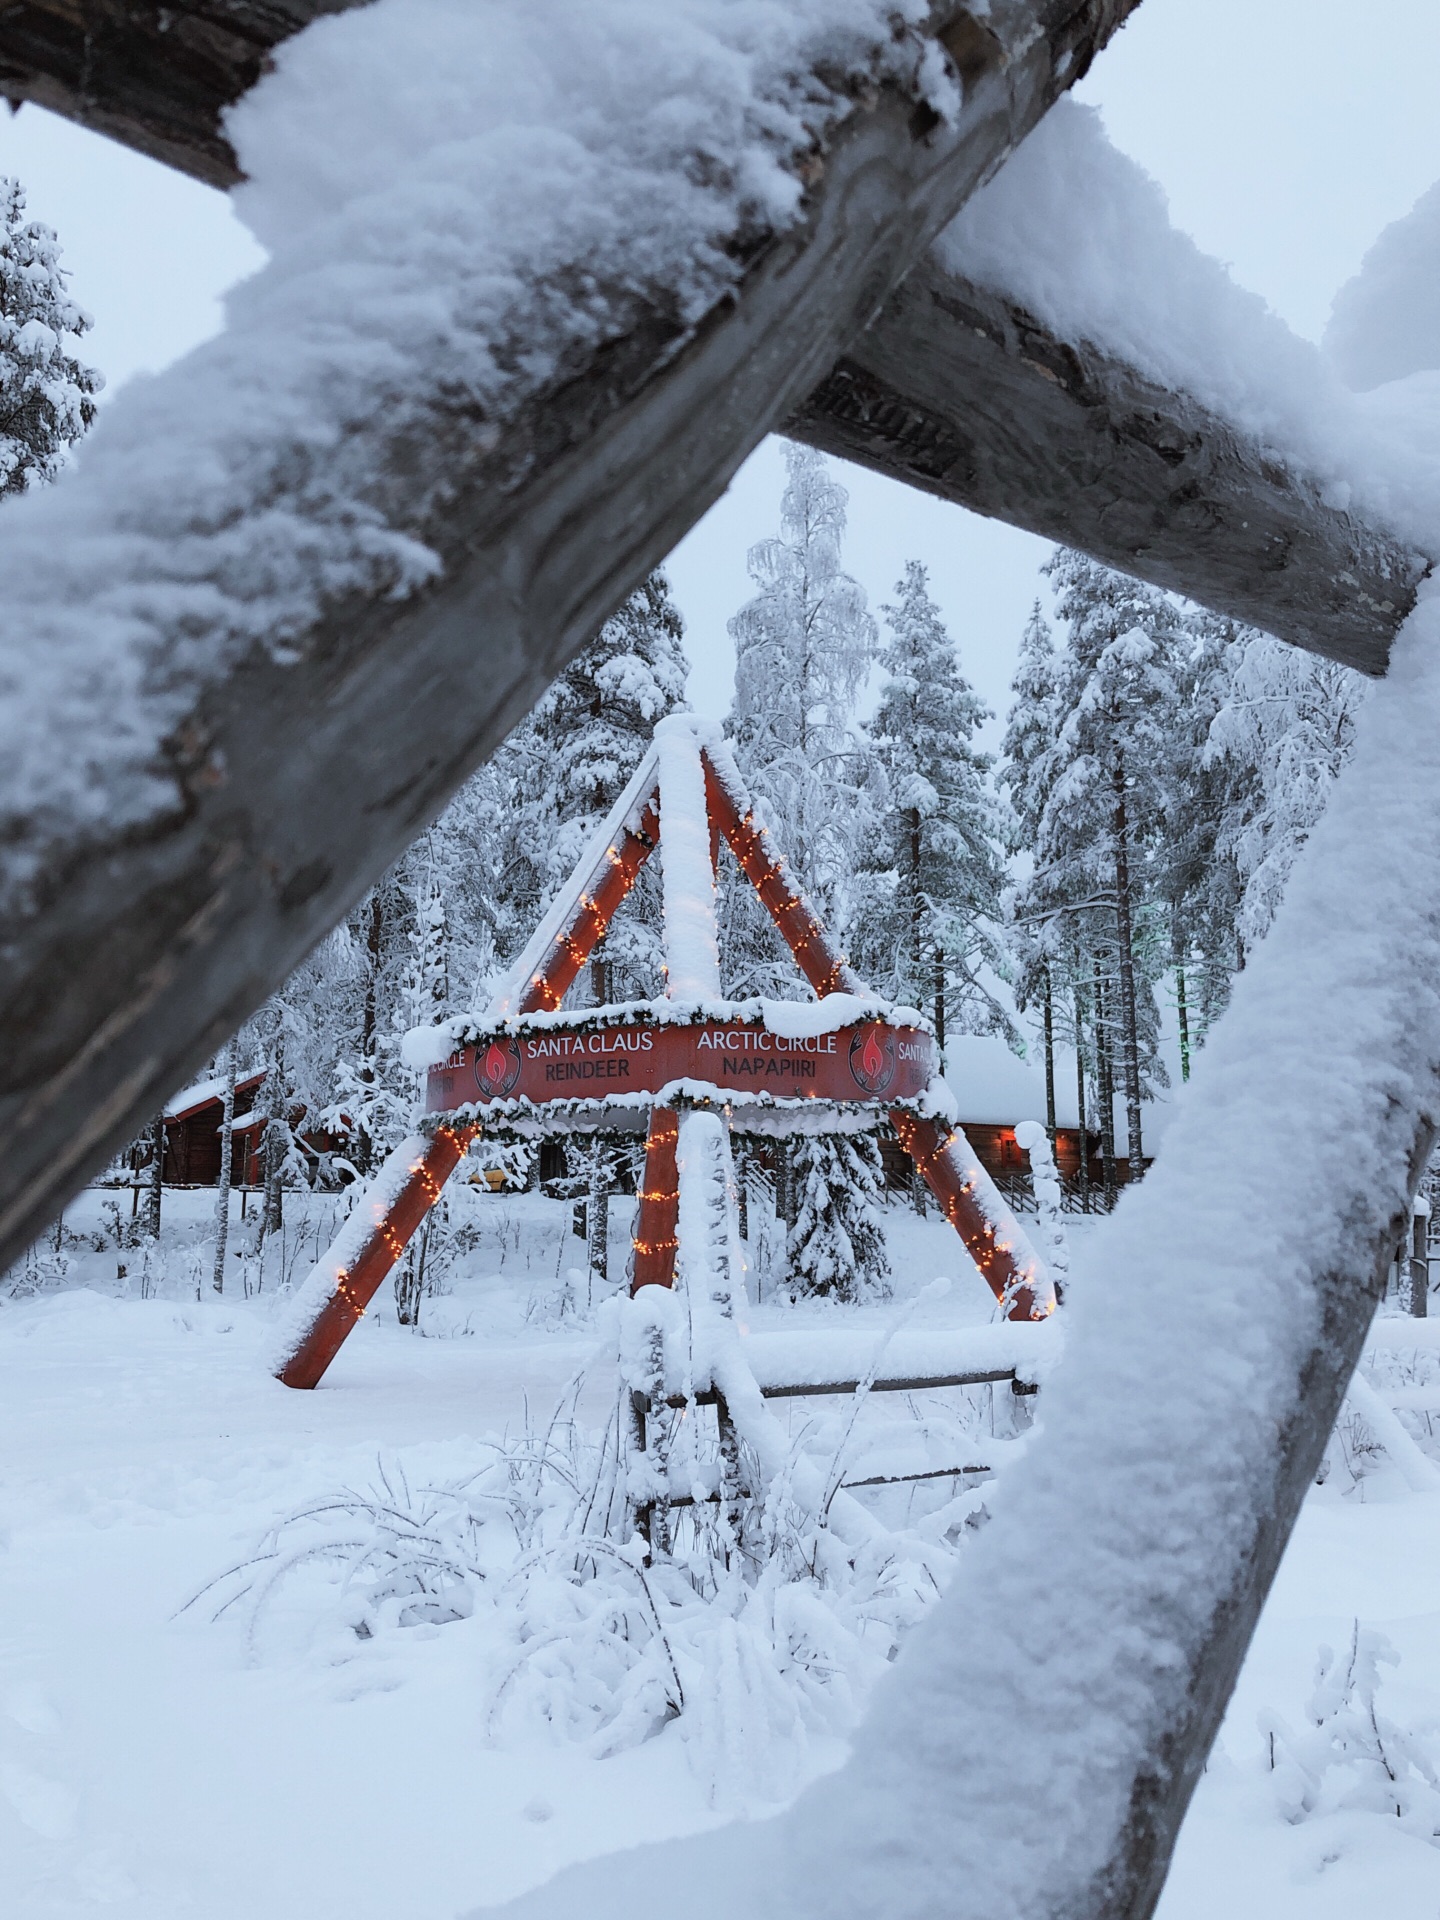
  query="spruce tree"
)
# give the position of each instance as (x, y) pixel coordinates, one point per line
(835, 1248)
(47, 396)
(1040, 940)
(933, 898)
(569, 764)
(1119, 686)
(1197, 874)
(1283, 728)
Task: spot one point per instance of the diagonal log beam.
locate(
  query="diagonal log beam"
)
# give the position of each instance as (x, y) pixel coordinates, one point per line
(299, 784)
(954, 389)
(156, 77)
(959, 391)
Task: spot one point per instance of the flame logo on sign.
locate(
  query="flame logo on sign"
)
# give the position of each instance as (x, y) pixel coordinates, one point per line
(497, 1068)
(872, 1059)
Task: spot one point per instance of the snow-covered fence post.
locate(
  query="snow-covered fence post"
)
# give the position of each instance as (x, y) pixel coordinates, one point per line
(1034, 1140)
(1420, 1258)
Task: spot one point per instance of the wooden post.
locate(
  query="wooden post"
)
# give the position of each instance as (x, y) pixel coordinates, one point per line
(933, 1147)
(1420, 1260)
(357, 1284)
(584, 927)
(658, 1215)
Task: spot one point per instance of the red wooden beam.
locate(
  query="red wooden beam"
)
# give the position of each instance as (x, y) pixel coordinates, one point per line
(935, 1149)
(826, 969)
(357, 1284)
(657, 1218)
(607, 884)
(604, 887)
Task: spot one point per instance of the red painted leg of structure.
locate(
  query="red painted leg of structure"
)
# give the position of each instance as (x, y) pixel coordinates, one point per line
(604, 888)
(612, 878)
(822, 964)
(357, 1284)
(932, 1146)
(657, 1218)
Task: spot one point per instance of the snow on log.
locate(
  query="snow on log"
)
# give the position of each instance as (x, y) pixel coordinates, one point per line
(1066, 361)
(825, 1360)
(692, 939)
(540, 278)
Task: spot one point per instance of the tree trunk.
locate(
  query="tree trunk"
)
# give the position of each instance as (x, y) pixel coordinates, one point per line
(156, 1185)
(1105, 1083)
(1080, 1101)
(370, 1020)
(1129, 1023)
(1420, 1264)
(275, 1145)
(1049, 1061)
(1182, 1011)
(940, 1008)
(597, 1212)
(227, 1150)
(600, 976)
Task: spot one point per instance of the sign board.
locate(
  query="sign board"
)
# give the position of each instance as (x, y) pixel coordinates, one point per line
(871, 1062)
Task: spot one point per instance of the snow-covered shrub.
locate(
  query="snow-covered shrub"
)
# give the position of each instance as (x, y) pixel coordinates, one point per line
(752, 1640)
(1349, 1756)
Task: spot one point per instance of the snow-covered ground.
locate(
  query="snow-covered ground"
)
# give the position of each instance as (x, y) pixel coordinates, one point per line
(153, 1762)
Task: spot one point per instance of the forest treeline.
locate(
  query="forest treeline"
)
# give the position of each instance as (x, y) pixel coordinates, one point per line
(1160, 768)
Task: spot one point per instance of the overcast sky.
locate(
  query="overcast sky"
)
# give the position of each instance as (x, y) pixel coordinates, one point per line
(1287, 133)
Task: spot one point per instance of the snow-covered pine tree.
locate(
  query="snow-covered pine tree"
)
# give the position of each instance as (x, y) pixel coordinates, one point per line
(47, 396)
(1197, 875)
(803, 648)
(1283, 726)
(932, 893)
(1120, 684)
(836, 1247)
(571, 760)
(1040, 942)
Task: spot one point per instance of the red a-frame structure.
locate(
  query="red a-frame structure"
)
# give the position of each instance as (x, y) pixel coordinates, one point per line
(688, 788)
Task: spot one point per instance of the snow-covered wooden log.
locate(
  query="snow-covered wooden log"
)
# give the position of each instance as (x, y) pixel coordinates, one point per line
(955, 388)
(822, 1360)
(157, 77)
(289, 715)
(343, 1282)
(960, 391)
